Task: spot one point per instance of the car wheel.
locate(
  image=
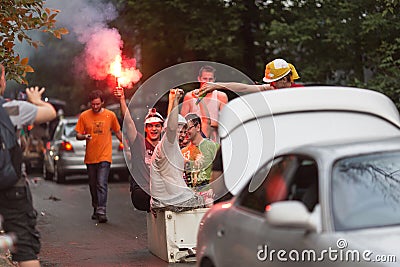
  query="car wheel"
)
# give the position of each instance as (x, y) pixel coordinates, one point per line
(59, 176)
(46, 174)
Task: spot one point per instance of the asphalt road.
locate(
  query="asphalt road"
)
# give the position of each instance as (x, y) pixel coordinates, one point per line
(71, 238)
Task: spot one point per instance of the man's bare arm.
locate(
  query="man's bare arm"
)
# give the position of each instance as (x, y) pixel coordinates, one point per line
(172, 124)
(234, 87)
(129, 124)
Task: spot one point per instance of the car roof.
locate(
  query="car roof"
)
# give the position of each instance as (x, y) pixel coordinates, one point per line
(315, 98)
(335, 150)
(70, 119)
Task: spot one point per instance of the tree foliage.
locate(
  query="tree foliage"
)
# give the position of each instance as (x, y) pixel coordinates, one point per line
(330, 41)
(352, 43)
(338, 42)
(17, 19)
(175, 31)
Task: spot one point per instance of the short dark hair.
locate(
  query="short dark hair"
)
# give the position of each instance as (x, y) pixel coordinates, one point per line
(194, 118)
(96, 94)
(207, 68)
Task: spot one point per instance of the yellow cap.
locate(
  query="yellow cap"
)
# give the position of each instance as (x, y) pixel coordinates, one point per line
(278, 69)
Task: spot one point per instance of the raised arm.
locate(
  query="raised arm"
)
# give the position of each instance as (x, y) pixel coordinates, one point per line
(129, 124)
(172, 124)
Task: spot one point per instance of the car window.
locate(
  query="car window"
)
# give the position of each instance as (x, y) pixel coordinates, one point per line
(366, 191)
(288, 178)
(69, 129)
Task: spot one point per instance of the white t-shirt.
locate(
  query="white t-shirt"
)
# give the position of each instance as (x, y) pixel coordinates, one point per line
(166, 174)
(21, 113)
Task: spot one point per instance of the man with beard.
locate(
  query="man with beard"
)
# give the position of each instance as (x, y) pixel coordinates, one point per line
(94, 125)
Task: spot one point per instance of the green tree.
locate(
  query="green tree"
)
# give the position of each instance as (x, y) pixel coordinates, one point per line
(17, 19)
(352, 43)
(174, 31)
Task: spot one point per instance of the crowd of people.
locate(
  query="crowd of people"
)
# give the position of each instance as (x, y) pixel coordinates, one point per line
(179, 160)
(173, 165)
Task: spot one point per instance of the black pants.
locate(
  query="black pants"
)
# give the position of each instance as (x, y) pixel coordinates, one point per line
(140, 199)
(20, 218)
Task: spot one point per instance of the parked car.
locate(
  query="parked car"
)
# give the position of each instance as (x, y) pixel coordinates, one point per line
(36, 136)
(64, 155)
(33, 145)
(282, 132)
(333, 204)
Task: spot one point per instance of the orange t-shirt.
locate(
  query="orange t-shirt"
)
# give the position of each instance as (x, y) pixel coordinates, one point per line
(99, 126)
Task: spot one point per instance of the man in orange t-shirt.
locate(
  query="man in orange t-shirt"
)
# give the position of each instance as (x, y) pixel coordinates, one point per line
(95, 125)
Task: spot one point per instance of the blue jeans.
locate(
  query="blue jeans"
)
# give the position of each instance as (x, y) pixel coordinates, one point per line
(98, 184)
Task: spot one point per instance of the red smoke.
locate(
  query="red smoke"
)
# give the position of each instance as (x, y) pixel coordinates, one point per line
(103, 56)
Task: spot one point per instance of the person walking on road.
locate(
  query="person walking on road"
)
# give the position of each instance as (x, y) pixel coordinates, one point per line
(95, 126)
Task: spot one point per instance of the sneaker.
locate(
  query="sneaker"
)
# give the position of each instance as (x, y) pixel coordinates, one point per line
(102, 218)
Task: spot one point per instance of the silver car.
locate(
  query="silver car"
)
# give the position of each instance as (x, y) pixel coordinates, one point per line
(293, 197)
(334, 204)
(64, 154)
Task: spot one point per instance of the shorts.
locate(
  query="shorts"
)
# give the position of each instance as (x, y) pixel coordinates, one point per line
(19, 217)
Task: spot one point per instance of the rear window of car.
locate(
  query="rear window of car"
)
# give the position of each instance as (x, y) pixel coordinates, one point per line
(70, 129)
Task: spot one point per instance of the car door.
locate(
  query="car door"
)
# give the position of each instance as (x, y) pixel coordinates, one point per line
(248, 238)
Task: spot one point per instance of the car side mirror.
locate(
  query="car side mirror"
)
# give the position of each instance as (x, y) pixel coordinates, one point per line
(290, 214)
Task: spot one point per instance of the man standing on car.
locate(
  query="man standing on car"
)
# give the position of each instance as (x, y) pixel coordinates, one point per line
(95, 126)
(16, 202)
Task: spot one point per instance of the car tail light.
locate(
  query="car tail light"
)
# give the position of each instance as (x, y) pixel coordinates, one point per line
(121, 146)
(66, 146)
(48, 145)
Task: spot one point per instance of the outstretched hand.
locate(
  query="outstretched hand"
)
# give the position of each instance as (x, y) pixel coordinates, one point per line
(34, 95)
(205, 89)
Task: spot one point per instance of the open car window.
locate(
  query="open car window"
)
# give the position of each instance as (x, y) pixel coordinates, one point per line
(289, 177)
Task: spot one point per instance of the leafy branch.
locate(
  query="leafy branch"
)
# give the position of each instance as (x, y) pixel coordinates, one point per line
(17, 19)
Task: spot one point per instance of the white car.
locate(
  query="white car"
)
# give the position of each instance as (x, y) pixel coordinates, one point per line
(260, 133)
(319, 205)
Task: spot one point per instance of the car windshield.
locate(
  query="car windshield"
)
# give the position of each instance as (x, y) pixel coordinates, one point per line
(366, 191)
(70, 129)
